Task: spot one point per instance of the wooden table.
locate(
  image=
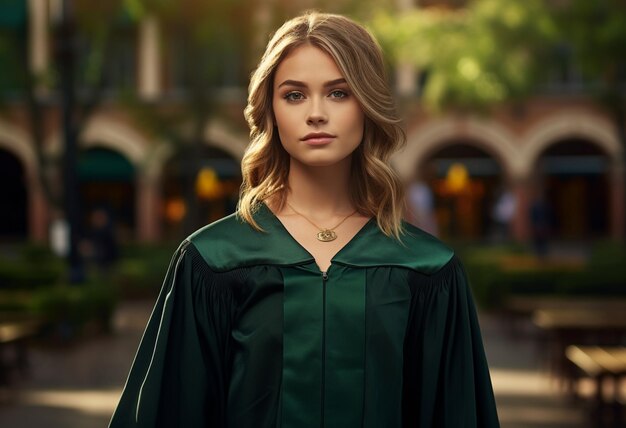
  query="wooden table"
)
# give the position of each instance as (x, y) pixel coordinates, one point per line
(579, 326)
(15, 330)
(527, 304)
(601, 364)
(519, 308)
(583, 318)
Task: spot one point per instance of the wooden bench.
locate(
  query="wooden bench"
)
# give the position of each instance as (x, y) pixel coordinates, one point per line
(526, 304)
(602, 364)
(520, 308)
(589, 326)
(15, 331)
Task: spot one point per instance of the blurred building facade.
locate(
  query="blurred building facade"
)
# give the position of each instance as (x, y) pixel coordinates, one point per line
(558, 145)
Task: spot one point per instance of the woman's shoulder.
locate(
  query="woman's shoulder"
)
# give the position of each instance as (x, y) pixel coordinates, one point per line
(219, 241)
(416, 250)
(436, 266)
(417, 236)
(426, 253)
(231, 242)
(219, 229)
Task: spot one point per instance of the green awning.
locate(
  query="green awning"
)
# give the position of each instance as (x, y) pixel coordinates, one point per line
(13, 14)
(104, 165)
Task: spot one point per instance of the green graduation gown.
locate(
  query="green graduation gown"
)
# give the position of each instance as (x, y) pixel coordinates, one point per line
(247, 332)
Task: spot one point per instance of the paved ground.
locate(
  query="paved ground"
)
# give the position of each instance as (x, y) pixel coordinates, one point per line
(526, 396)
(79, 387)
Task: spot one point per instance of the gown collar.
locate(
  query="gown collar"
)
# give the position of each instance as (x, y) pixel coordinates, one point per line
(278, 227)
(240, 245)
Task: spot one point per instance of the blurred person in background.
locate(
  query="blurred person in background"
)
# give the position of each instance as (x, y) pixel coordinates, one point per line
(502, 214)
(267, 319)
(421, 203)
(102, 243)
(540, 222)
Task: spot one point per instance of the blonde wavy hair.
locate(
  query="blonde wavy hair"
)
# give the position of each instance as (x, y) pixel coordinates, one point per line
(377, 190)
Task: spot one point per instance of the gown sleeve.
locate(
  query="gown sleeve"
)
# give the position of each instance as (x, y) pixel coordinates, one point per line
(446, 377)
(179, 374)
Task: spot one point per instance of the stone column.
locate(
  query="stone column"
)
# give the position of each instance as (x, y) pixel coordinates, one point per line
(148, 208)
(39, 52)
(405, 72)
(521, 188)
(405, 78)
(262, 22)
(37, 209)
(150, 64)
(38, 43)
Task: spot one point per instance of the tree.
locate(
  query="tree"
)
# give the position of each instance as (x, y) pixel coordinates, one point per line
(471, 58)
(596, 34)
(93, 26)
(206, 44)
(74, 83)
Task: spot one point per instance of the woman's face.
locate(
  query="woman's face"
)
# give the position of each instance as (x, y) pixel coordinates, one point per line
(311, 96)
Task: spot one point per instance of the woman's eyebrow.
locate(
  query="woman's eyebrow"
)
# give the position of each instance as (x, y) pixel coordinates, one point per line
(304, 85)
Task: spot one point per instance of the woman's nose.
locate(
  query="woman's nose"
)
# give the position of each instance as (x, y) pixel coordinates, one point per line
(317, 114)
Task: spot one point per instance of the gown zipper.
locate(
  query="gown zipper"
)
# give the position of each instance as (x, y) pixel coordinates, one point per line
(324, 279)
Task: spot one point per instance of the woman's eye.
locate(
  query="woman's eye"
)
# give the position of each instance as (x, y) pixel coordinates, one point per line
(339, 94)
(293, 96)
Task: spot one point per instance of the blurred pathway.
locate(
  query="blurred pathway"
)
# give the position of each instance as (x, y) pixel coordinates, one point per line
(79, 387)
(526, 396)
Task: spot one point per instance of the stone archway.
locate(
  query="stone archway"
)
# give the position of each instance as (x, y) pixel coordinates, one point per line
(569, 125)
(462, 207)
(112, 134)
(215, 182)
(484, 149)
(486, 135)
(118, 136)
(582, 127)
(574, 175)
(218, 136)
(106, 180)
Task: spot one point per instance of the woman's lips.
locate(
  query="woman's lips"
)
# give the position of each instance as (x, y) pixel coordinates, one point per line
(318, 141)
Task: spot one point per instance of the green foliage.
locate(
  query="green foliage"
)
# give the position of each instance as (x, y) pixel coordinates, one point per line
(22, 275)
(141, 269)
(9, 73)
(32, 283)
(597, 31)
(496, 273)
(596, 34)
(67, 309)
(75, 305)
(18, 273)
(490, 52)
(15, 300)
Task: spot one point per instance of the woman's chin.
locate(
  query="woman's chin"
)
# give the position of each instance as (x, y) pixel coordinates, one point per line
(321, 160)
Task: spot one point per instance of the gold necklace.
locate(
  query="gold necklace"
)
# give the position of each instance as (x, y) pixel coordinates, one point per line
(324, 235)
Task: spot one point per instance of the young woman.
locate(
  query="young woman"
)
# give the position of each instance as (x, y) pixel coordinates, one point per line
(314, 305)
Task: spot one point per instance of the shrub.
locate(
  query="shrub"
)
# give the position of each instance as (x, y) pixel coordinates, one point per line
(17, 269)
(141, 269)
(497, 272)
(73, 306)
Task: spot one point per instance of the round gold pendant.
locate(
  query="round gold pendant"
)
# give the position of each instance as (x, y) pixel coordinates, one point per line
(326, 235)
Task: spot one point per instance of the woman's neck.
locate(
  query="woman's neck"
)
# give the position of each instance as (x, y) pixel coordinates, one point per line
(320, 192)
